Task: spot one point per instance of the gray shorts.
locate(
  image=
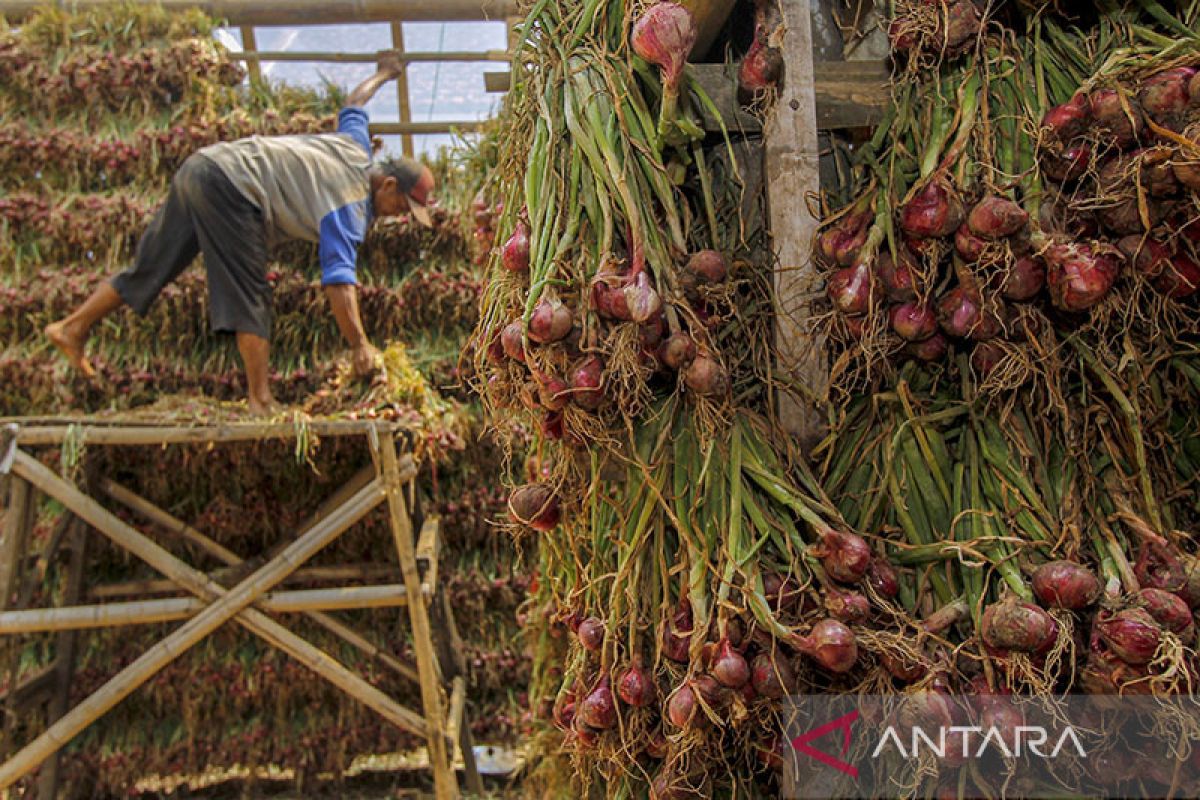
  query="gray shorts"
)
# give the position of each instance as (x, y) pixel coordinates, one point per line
(205, 213)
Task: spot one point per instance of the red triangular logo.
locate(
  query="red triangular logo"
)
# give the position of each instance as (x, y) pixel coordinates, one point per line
(801, 744)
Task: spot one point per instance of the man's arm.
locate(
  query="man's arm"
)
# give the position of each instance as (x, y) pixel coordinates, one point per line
(343, 299)
(389, 68)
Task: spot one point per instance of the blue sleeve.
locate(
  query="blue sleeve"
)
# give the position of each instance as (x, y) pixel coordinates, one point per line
(353, 120)
(341, 233)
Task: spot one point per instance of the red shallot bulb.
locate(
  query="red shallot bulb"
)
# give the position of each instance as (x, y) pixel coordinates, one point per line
(1025, 278)
(1012, 624)
(664, 36)
(598, 710)
(1167, 609)
(534, 505)
(896, 276)
(706, 377)
(995, 217)
(1131, 634)
(849, 607)
(844, 555)
(585, 383)
(1080, 275)
(1165, 97)
(515, 255)
(512, 339)
(642, 301)
(849, 289)
(881, 575)
(1065, 122)
(681, 707)
(772, 677)
(677, 351)
(709, 266)
(729, 667)
(591, 634)
(932, 349)
(934, 211)
(1065, 584)
(1112, 118)
(831, 644)
(550, 322)
(635, 687)
(913, 321)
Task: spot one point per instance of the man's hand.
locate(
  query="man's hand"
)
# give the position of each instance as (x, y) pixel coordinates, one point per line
(389, 64)
(366, 360)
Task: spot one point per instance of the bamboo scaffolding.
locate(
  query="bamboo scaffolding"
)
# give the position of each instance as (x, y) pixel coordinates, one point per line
(147, 612)
(301, 12)
(387, 463)
(334, 626)
(226, 605)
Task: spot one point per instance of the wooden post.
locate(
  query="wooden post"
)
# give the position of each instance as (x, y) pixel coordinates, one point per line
(228, 604)
(249, 42)
(792, 163)
(405, 107)
(17, 518)
(445, 786)
(64, 653)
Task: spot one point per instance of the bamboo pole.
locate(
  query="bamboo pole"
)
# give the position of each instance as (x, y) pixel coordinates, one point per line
(175, 526)
(252, 56)
(403, 107)
(147, 612)
(454, 126)
(445, 786)
(299, 12)
(16, 527)
(250, 43)
(226, 606)
(345, 572)
(92, 433)
(64, 654)
(336, 627)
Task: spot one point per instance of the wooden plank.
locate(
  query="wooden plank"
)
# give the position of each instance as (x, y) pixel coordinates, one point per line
(792, 158)
(300, 12)
(145, 612)
(458, 701)
(445, 786)
(849, 94)
(255, 56)
(249, 44)
(227, 605)
(405, 109)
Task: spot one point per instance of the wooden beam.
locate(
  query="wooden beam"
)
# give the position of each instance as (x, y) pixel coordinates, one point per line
(146, 612)
(792, 159)
(428, 547)
(299, 12)
(848, 94)
(253, 56)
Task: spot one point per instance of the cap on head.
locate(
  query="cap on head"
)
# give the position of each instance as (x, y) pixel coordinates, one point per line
(416, 182)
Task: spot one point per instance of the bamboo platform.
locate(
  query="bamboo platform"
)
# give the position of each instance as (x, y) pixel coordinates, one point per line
(241, 592)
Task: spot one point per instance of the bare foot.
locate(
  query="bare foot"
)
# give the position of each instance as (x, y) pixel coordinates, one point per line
(262, 408)
(70, 345)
